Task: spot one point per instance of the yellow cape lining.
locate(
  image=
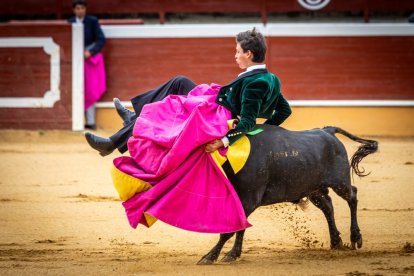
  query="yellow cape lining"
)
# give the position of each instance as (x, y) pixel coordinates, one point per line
(237, 153)
(127, 186)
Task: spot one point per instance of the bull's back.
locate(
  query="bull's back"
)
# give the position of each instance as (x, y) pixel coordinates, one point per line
(286, 165)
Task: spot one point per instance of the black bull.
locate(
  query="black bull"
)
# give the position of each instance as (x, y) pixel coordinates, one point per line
(286, 166)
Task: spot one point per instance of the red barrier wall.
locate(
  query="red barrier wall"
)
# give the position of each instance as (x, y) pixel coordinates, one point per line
(25, 72)
(137, 65)
(310, 68)
(344, 68)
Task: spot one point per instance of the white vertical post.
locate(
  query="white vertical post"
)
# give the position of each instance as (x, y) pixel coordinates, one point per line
(77, 77)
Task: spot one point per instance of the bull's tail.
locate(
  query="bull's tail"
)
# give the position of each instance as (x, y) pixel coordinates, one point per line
(367, 147)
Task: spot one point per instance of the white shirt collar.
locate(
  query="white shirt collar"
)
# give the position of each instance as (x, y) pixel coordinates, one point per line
(79, 20)
(253, 67)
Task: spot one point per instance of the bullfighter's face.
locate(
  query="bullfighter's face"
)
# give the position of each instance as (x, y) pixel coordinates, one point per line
(243, 59)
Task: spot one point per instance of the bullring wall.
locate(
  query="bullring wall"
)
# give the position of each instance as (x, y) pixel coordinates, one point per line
(357, 76)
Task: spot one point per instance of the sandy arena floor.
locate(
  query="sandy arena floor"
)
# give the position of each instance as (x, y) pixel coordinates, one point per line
(60, 216)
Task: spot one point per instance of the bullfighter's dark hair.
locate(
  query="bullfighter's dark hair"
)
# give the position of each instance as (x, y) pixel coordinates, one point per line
(79, 2)
(255, 42)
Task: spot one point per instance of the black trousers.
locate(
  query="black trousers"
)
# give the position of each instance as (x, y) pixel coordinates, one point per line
(179, 85)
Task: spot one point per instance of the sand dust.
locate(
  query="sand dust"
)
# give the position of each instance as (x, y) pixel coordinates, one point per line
(60, 216)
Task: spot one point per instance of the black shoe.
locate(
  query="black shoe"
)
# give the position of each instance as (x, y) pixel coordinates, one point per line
(104, 145)
(123, 112)
(93, 127)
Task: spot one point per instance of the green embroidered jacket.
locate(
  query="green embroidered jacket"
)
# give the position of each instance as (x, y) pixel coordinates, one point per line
(255, 94)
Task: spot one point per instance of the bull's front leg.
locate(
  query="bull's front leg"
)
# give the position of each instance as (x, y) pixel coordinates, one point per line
(235, 252)
(214, 253)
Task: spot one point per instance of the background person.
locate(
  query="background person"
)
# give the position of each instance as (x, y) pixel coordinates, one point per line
(95, 78)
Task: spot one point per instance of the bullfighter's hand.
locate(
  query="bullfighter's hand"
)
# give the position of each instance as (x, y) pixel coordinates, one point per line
(214, 145)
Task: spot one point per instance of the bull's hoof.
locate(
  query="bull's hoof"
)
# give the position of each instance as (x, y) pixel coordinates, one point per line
(205, 261)
(338, 245)
(358, 244)
(228, 258)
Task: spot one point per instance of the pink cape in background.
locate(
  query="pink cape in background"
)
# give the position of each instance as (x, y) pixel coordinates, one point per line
(95, 79)
(189, 190)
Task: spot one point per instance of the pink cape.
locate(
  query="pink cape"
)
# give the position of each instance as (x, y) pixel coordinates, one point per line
(189, 190)
(95, 79)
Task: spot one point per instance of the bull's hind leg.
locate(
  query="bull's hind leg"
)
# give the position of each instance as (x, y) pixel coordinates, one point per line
(235, 252)
(212, 256)
(323, 201)
(349, 193)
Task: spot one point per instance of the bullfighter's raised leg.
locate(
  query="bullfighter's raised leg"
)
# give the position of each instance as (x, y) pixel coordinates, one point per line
(179, 85)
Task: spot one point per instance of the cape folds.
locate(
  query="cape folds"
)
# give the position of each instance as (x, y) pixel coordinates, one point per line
(188, 189)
